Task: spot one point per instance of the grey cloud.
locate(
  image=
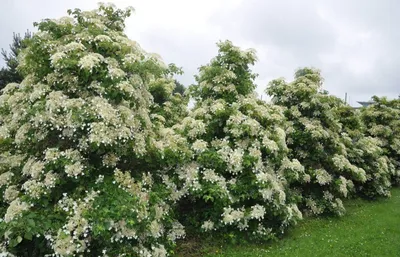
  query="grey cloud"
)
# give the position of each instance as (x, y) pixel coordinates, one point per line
(287, 24)
(186, 51)
(296, 33)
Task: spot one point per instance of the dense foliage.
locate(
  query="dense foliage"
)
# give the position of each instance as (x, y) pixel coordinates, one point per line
(100, 155)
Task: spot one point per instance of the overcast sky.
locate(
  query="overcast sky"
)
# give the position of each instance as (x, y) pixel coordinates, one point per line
(355, 43)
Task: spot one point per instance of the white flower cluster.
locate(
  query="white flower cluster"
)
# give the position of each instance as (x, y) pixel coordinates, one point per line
(292, 169)
(208, 225)
(323, 177)
(343, 186)
(230, 215)
(15, 209)
(218, 106)
(114, 72)
(314, 127)
(5, 178)
(257, 212)
(193, 127)
(110, 160)
(74, 170)
(342, 163)
(235, 160)
(199, 146)
(210, 176)
(177, 231)
(73, 238)
(189, 174)
(11, 193)
(56, 58)
(90, 61)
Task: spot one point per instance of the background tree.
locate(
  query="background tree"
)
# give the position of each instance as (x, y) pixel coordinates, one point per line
(169, 99)
(9, 73)
(179, 88)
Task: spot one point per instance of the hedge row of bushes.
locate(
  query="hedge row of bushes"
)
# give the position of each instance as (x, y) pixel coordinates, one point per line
(100, 158)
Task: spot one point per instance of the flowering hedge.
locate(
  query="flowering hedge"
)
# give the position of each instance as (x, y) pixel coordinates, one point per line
(99, 157)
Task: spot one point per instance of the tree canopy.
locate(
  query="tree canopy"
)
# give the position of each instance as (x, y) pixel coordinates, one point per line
(9, 73)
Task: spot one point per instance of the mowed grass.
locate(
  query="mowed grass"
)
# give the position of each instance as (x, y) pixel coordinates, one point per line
(369, 228)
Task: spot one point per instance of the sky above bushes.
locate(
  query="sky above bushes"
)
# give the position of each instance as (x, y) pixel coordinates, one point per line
(355, 43)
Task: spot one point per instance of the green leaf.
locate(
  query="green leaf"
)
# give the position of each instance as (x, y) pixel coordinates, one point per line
(31, 223)
(28, 236)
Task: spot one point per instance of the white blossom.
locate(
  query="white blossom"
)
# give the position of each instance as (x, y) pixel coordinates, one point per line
(323, 177)
(257, 212)
(15, 209)
(88, 62)
(208, 225)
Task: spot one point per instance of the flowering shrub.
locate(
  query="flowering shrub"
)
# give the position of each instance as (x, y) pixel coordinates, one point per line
(314, 138)
(239, 177)
(382, 120)
(365, 152)
(86, 158)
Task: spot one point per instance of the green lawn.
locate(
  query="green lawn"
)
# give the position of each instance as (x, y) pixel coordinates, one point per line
(369, 228)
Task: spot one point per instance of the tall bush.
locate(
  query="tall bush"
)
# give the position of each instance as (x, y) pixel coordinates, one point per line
(85, 157)
(239, 177)
(314, 138)
(365, 152)
(382, 120)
